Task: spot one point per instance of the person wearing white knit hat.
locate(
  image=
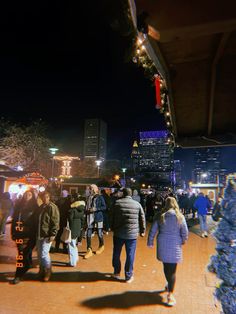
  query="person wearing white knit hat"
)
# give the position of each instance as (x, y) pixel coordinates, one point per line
(95, 206)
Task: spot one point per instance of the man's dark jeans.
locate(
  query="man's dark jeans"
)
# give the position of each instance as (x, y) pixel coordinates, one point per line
(130, 248)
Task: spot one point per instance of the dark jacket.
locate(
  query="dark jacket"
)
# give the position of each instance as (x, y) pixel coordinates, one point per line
(217, 212)
(63, 205)
(48, 220)
(127, 218)
(76, 214)
(24, 220)
(6, 206)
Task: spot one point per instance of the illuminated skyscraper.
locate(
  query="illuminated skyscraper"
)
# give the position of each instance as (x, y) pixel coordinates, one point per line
(206, 165)
(135, 155)
(95, 139)
(156, 156)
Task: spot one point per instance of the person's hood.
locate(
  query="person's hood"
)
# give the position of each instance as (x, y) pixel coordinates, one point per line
(77, 204)
(170, 212)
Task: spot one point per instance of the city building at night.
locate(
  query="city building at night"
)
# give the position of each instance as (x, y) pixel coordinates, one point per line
(207, 166)
(177, 175)
(95, 139)
(135, 155)
(156, 156)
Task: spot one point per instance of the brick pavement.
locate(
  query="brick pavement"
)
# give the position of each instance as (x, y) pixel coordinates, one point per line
(88, 288)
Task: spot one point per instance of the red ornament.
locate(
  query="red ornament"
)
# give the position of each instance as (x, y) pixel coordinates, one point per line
(158, 92)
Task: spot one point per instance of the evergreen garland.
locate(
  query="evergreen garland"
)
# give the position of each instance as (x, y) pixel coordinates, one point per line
(224, 263)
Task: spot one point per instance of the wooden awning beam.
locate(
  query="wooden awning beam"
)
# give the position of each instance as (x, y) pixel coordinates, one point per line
(194, 31)
(219, 53)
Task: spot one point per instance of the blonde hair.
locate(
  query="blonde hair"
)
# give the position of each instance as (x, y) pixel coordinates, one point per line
(94, 188)
(171, 203)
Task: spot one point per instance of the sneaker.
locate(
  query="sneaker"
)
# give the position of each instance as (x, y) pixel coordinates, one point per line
(171, 300)
(89, 253)
(131, 279)
(100, 250)
(15, 281)
(205, 234)
(47, 274)
(202, 235)
(115, 276)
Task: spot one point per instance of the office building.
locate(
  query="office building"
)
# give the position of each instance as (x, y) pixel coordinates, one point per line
(135, 155)
(156, 156)
(207, 166)
(95, 139)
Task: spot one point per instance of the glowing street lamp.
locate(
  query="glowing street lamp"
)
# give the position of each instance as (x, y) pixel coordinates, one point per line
(204, 176)
(98, 163)
(124, 171)
(53, 151)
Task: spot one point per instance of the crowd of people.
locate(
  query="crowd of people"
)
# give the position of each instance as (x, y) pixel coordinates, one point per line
(38, 220)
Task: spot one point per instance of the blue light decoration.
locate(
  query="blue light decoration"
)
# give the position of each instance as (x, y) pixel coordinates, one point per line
(153, 134)
(223, 264)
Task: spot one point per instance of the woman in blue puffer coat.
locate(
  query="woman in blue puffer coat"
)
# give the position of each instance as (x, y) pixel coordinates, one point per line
(172, 232)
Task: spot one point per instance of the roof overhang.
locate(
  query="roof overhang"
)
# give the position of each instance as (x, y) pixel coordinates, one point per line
(193, 45)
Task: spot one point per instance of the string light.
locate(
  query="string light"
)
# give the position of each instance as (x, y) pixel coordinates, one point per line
(142, 58)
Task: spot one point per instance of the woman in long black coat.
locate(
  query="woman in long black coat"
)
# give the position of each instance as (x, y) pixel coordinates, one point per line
(23, 231)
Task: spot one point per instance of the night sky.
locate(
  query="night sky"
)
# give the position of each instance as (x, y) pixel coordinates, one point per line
(62, 62)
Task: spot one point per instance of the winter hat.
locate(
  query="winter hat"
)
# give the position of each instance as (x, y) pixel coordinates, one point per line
(64, 193)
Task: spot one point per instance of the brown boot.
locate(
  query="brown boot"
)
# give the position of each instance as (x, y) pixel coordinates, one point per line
(47, 274)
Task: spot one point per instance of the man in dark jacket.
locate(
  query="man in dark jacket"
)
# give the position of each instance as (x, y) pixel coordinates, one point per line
(127, 222)
(48, 227)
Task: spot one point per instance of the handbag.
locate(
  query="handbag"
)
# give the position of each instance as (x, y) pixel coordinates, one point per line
(66, 233)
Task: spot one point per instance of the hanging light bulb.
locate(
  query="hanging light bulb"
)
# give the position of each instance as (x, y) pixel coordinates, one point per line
(139, 41)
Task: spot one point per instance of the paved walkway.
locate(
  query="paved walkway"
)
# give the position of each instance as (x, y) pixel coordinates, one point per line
(89, 289)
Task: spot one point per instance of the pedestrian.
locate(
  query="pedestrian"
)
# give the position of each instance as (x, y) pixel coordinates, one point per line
(127, 223)
(23, 232)
(172, 232)
(48, 226)
(107, 200)
(202, 204)
(217, 210)
(75, 218)
(63, 205)
(136, 196)
(94, 214)
(6, 206)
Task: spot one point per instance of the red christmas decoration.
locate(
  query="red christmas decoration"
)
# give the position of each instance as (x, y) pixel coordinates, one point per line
(158, 92)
